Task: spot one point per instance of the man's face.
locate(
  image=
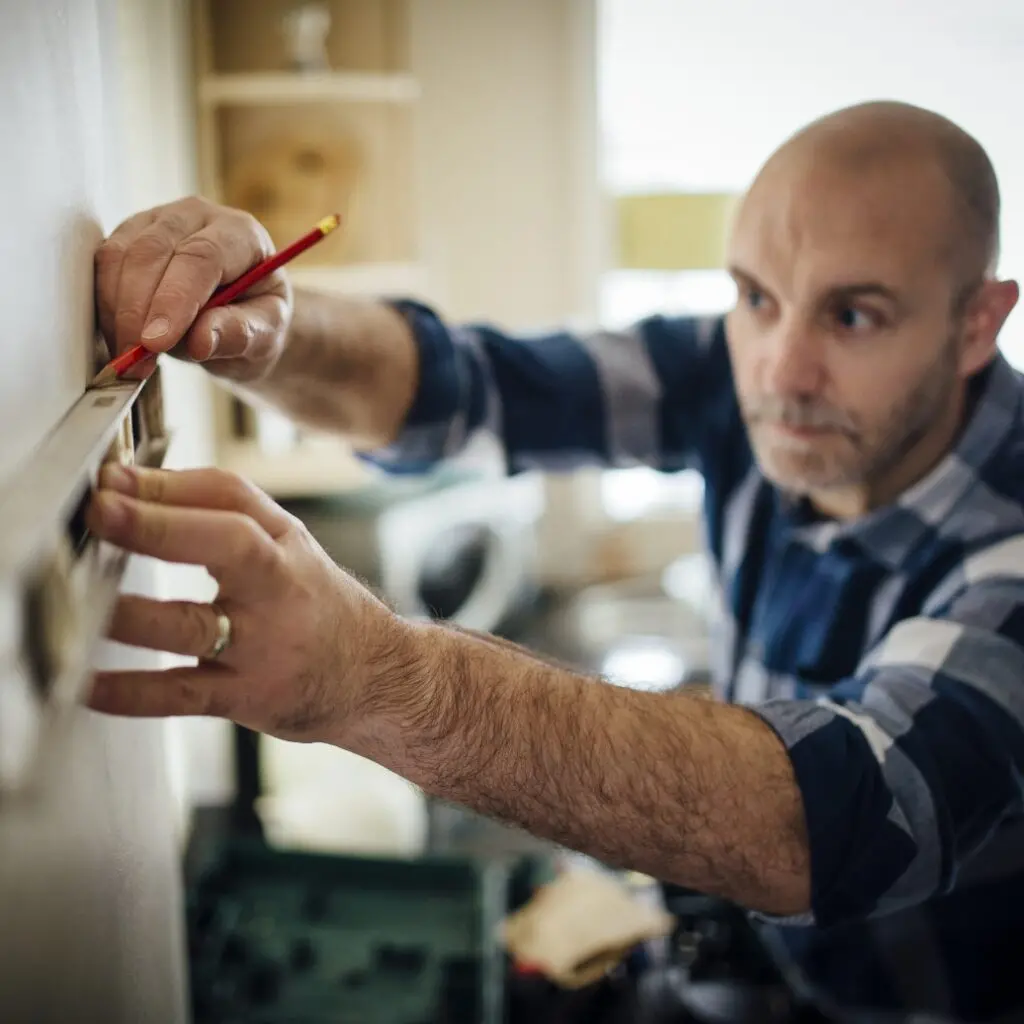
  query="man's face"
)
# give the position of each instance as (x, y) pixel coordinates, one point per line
(844, 341)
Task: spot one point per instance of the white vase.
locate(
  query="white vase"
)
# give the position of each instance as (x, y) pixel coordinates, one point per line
(305, 29)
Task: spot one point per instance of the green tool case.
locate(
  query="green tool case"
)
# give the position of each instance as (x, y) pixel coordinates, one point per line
(282, 937)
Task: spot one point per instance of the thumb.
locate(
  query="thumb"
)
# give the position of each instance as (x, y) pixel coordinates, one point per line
(250, 331)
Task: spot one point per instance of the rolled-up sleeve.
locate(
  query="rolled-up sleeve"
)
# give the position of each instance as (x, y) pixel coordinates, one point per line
(561, 400)
(908, 768)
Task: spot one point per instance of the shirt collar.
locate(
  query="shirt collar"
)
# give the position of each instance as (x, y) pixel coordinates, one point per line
(890, 534)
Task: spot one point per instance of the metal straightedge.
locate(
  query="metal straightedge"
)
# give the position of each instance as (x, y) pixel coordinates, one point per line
(58, 584)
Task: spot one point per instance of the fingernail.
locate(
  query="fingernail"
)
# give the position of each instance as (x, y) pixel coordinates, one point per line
(156, 328)
(203, 348)
(113, 512)
(119, 478)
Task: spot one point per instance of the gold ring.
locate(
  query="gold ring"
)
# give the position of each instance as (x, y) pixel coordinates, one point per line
(223, 636)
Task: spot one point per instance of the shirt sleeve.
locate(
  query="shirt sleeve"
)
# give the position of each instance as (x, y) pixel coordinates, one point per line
(909, 768)
(561, 400)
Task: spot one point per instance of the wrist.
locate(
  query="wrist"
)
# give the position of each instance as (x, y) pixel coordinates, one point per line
(405, 692)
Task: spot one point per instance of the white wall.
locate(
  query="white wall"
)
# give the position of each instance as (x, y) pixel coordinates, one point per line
(697, 94)
(89, 867)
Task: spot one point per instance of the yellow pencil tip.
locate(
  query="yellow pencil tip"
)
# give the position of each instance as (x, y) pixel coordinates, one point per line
(329, 223)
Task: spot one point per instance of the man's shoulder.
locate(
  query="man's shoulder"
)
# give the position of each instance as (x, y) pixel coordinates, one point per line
(989, 460)
(982, 534)
(1005, 468)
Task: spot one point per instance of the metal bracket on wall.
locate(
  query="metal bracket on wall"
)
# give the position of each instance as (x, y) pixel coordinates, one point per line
(58, 584)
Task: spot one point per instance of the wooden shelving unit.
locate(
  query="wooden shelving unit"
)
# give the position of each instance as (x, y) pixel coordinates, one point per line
(283, 87)
(470, 132)
(291, 145)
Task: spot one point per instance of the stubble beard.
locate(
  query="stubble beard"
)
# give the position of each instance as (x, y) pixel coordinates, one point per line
(854, 455)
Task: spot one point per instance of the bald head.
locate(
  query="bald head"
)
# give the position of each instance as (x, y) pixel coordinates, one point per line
(890, 137)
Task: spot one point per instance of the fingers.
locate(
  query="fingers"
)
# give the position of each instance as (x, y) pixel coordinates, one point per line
(196, 266)
(146, 255)
(178, 627)
(250, 331)
(233, 547)
(157, 270)
(109, 262)
(201, 489)
(206, 690)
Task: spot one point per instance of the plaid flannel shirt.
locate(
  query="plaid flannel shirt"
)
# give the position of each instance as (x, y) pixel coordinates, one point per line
(887, 652)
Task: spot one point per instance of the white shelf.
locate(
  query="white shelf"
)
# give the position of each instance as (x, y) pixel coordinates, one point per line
(313, 87)
(320, 467)
(369, 279)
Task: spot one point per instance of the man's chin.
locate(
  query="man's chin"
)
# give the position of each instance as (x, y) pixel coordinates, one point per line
(799, 476)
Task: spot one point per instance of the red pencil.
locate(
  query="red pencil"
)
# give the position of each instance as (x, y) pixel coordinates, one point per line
(124, 362)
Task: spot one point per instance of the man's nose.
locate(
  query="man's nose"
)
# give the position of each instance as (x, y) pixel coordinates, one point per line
(794, 364)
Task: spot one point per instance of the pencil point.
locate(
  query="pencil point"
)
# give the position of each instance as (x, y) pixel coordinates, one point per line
(108, 375)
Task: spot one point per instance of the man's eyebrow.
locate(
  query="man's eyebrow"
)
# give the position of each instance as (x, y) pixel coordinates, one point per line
(739, 274)
(859, 289)
(843, 290)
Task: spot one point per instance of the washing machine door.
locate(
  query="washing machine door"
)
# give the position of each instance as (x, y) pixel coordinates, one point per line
(466, 555)
(454, 568)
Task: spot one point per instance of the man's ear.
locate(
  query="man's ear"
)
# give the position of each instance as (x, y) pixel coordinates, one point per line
(983, 320)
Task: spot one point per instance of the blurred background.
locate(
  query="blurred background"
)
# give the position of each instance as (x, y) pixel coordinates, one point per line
(531, 163)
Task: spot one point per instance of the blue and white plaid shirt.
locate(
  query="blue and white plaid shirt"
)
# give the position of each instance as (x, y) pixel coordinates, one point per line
(887, 652)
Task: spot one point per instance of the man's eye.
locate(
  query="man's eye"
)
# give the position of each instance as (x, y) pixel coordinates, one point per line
(754, 298)
(851, 319)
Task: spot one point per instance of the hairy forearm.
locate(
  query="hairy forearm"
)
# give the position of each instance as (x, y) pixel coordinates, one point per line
(683, 788)
(348, 365)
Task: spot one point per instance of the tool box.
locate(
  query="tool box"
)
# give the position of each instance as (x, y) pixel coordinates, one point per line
(303, 938)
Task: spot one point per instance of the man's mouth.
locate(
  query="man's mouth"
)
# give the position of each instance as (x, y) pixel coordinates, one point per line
(801, 435)
(802, 430)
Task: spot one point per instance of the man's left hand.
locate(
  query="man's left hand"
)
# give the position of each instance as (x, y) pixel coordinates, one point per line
(310, 649)
(691, 791)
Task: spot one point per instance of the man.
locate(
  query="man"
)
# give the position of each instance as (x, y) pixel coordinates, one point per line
(862, 445)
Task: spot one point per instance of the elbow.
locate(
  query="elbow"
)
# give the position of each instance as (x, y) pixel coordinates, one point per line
(769, 892)
(781, 885)
(788, 897)
(771, 878)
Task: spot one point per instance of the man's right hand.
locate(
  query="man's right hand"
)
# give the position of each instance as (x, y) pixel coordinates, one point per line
(159, 268)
